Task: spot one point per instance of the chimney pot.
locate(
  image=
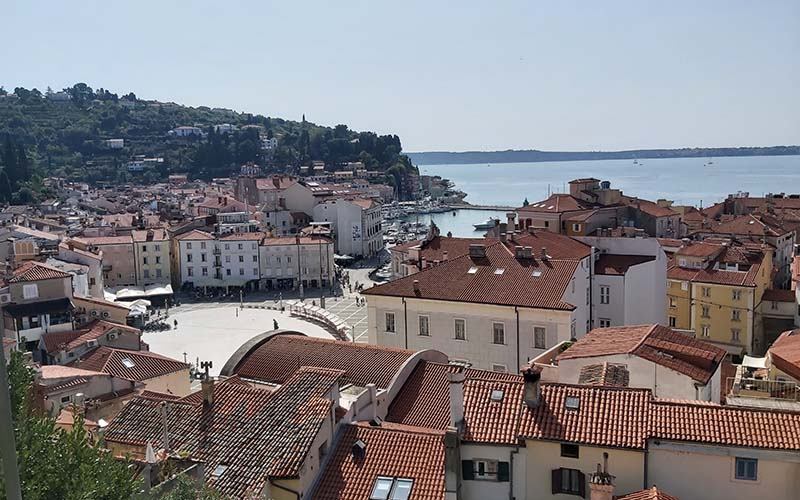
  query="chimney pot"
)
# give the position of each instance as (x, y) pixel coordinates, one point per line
(544, 253)
(207, 386)
(533, 390)
(416, 286)
(456, 386)
(444, 256)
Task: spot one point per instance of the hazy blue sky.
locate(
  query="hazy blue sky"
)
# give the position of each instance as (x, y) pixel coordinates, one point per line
(461, 75)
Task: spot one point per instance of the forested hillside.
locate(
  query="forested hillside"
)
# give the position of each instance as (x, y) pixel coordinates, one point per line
(64, 134)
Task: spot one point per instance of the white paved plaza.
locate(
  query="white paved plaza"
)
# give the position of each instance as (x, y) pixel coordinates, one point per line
(214, 331)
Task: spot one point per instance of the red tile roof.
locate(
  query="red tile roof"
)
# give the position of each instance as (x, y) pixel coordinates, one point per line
(35, 271)
(515, 286)
(779, 295)
(146, 364)
(392, 451)
(276, 359)
(649, 494)
(747, 225)
(739, 254)
(256, 433)
(254, 236)
(785, 353)
(604, 374)
(715, 424)
(105, 240)
(605, 417)
(155, 234)
(557, 203)
(649, 207)
(275, 183)
(699, 249)
(614, 264)
(659, 344)
(424, 401)
(434, 249)
(53, 341)
(195, 234)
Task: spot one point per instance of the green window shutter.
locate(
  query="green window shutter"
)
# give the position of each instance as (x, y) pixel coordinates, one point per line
(556, 481)
(467, 471)
(502, 471)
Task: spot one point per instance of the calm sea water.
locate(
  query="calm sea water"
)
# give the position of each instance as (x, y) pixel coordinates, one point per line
(686, 181)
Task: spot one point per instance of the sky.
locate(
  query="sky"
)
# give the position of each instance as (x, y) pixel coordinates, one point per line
(444, 76)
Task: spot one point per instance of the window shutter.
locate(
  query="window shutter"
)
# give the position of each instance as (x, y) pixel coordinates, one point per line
(502, 471)
(581, 484)
(467, 471)
(556, 477)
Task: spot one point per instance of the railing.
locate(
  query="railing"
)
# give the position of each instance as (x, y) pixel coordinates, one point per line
(763, 388)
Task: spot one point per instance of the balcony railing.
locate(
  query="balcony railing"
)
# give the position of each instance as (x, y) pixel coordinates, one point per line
(763, 388)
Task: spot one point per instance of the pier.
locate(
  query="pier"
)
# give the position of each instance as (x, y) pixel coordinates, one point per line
(466, 206)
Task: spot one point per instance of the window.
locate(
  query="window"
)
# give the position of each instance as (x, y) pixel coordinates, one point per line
(289, 259)
(146, 273)
(30, 291)
(227, 246)
(128, 363)
(735, 334)
(460, 329)
(605, 293)
(390, 323)
(227, 272)
(205, 271)
(705, 331)
(202, 257)
(706, 291)
(240, 246)
(472, 270)
(158, 248)
(255, 258)
(587, 295)
(241, 258)
(424, 326)
(673, 302)
(389, 488)
(570, 451)
(499, 368)
(158, 259)
(188, 245)
(202, 245)
(737, 295)
(572, 403)
(144, 260)
(158, 273)
(704, 312)
(485, 469)
(576, 228)
(569, 481)
(227, 258)
(672, 321)
(323, 449)
(605, 322)
(144, 248)
(573, 286)
(255, 271)
(498, 333)
(736, 315)
(220, 470)
(241, 271)
(190, 271)
(746, 469)
(539, 337)
(572, 329)
(189, 257)
(65, 399)
(684, 285)
(254, 246)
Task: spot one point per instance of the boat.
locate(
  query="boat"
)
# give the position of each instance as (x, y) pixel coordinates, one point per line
(635, 162)
(489, 224)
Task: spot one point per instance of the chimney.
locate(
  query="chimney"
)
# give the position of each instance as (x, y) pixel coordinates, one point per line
(544, 253)
(601, 483)
(208, 391)
(416, 285)
(456, 397)
(533, 390)
(444, 256)
(452, 464)
(511, 217)
(519, 252)
(477, 251)
(528, 252)
(423, 263)
(372, 410)
(503, 237)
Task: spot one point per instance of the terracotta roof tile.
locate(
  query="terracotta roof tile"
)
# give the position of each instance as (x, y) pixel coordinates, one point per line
(785, 353)
(649, 494)
(146, 365)
(391, 451)
(523, 282)
(659, 344)
(779, 295)
(256, 433)
(194, 235)
(275, 360)
(35, 271)
(614, 264)
(424, 401)
(604, 374)
(557, 203)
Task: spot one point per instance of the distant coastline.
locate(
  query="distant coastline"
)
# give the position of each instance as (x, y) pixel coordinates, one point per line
(532, 155)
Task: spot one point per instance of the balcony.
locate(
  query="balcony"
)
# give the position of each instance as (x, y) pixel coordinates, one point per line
(762, 393)
(217, 251)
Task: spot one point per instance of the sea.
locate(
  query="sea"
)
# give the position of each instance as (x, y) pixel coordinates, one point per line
(686, 181)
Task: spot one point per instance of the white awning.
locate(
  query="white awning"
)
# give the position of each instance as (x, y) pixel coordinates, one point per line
(751, 362)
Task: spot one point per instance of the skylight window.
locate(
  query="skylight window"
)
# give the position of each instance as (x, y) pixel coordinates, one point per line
(497, 395)
(551, 207)
(402, 489)
(220, 470)
(536, 273)
(391, 488)
(472, 270)
(499, 270)
(382, 488)
(572, 403)
(128, 363)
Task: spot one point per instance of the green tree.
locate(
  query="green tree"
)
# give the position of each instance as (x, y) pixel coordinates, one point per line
(54, 463)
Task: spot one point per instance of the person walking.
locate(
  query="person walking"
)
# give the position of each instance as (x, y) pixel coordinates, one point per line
(274, 324)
